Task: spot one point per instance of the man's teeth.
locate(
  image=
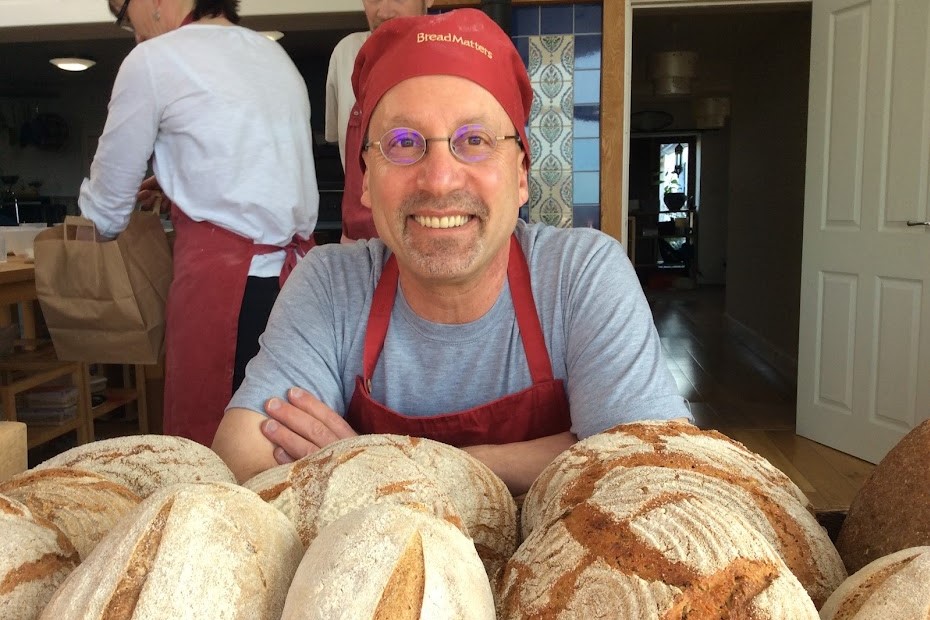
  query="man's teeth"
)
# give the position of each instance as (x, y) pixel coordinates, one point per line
(442, 222)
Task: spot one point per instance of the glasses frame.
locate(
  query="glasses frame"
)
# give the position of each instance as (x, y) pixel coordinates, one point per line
(121, 17)
(448, 140)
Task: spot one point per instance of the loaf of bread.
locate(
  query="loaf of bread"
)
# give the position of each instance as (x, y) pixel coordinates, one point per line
(146, 463)
(681, 457)
(893, 587)
(640, 549)
(35, 558)
(202, 550)
(392, 562)
(891, 511)
(355, 472)
(84, 505)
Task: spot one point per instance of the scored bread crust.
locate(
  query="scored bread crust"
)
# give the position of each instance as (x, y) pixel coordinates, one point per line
(358, 471)
(85, 506)
(146, 463)
(706, 460)
(200, 550)
(35, 558)
(389, 561)
(640, 551)
(893, 586)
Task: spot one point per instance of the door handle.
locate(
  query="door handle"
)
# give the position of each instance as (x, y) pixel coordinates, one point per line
(913, 223)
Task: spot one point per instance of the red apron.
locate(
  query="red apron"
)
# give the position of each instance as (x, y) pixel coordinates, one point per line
(211, 267)
(357, 221)
(538, 411)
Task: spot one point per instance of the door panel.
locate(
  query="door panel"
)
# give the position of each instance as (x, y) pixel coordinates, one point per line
(864, 349)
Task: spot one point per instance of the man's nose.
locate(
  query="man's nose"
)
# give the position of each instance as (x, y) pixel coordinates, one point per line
(439, 171)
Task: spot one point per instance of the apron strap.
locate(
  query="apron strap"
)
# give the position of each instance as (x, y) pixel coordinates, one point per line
(378, 318)
(521, 290)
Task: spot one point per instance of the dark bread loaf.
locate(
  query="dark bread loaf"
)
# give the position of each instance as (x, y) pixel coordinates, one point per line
(892, 509)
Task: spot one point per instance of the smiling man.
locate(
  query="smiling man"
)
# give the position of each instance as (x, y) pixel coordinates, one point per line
(461, 323)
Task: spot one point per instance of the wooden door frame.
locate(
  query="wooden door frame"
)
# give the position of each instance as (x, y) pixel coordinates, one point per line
(614, 105)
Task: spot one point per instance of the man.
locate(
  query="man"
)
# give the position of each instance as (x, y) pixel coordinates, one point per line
(461, 323)
(340, 100)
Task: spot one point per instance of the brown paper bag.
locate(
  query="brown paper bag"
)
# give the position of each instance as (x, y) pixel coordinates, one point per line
(105, 302)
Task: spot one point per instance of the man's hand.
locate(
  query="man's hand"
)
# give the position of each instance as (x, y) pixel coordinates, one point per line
(151, 197)
(301, 426)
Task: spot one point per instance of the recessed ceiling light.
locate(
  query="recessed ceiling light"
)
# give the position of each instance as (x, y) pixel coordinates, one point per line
(73, 64)
(274, 35)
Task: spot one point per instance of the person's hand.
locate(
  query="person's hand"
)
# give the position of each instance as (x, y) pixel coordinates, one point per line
(151, 197)
(301, 426)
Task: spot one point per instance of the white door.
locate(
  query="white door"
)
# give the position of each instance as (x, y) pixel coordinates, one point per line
(864, 351)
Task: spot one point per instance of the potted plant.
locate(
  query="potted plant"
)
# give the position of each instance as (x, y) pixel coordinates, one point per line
(674, 198)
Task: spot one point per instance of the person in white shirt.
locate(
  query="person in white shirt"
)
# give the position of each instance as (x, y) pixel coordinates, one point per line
(224, 116)
(340, 100)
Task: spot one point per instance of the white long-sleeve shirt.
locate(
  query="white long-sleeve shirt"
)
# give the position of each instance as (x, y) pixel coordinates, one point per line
(226, 114)
(339, 95)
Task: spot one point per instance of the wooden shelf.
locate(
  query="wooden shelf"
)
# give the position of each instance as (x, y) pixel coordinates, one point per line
(37, 434)
(116, 398)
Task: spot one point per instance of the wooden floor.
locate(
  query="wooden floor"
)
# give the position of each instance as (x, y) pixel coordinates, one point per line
(734, 391)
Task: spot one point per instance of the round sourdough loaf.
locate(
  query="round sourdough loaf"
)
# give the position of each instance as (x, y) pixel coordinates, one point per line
(894, 587)
(146, 463)
(362, 470)
(638, 551)
(35, 558)
(891, 511)
(196, 551)
(84, 505)
(392, 562)
(681, 457)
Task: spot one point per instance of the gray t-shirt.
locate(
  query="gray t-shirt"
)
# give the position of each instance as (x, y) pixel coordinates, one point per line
(596, 323)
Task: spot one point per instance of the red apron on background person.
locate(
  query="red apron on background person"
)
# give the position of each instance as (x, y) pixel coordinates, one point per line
(211, 267)
(538, 411)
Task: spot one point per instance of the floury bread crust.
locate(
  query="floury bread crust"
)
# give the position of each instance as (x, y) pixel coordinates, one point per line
(681, 457)
(197, 551)
(894, 587)
(641, 552)
(367, 469)
(35, 558)
(146, 463)
(390, 562)
(85, 506)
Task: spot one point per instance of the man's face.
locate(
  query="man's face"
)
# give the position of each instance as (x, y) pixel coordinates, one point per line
(379, 11)
(446, 220)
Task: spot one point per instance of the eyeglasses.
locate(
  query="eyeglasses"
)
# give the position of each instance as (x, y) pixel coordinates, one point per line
(122, 20)
(469, 144)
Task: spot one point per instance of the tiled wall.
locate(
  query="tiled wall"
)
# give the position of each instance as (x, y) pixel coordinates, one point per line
(561, 47)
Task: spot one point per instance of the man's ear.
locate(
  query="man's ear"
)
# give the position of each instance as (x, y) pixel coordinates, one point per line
(366, 194)
(523, 190)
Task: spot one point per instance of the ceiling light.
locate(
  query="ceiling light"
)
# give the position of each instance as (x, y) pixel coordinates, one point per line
(73, 64)
(274, 35)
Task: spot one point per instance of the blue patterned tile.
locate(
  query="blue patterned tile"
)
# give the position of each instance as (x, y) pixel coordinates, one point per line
(587, 216)
(557, 20)
(587, 155)
(554, 206)
(587, 188)
(524, 21)
(588, 18)
(587, 87)
(587, 121)
(588, 52)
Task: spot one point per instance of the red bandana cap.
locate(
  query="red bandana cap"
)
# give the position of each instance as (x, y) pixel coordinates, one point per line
(465, 43)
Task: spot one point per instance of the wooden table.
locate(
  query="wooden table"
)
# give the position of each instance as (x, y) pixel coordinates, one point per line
(18, 286)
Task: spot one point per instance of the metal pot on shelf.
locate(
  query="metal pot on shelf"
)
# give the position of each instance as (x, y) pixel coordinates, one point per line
(675, 201)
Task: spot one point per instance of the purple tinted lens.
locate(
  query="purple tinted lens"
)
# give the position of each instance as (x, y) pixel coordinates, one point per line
(472, 143)
(403, 145)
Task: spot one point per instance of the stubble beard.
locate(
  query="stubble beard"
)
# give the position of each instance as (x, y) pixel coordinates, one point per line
(444, 257)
